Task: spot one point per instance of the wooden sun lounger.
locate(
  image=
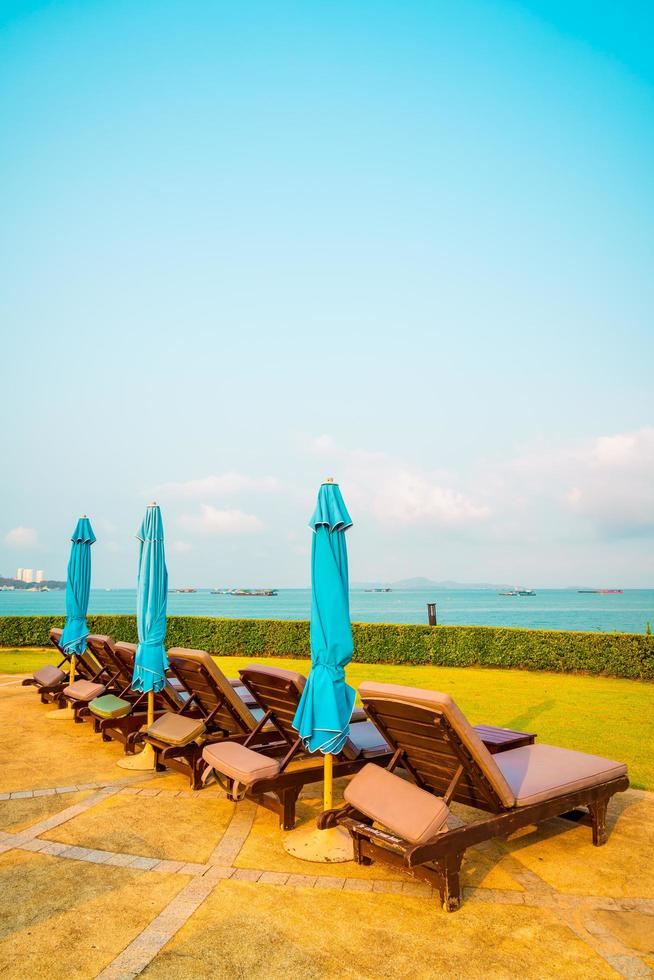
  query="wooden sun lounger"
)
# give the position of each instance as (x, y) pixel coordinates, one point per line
(213, 710)
(404, 824)
(50, 680)
(273, 778)
(128, 725)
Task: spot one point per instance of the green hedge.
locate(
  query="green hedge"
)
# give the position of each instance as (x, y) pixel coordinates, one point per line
(614, 654)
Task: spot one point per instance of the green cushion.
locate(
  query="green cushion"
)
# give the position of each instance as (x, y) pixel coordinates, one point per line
(109, 706)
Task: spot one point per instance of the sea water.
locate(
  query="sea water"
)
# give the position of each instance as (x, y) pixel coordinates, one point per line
(548, 609)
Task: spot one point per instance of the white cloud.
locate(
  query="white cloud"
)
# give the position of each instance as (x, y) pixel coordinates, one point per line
(613, 483)
(211, 520)
(397, 493)
(410, 497)
(323, 444)
(22, 537)
(217, 485)
(180, 547)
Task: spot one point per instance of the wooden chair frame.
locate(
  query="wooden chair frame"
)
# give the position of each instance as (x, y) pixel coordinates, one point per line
(438, 861)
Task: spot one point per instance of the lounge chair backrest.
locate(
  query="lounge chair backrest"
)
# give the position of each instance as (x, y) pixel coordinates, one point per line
(124, 654)
(55, 635)
(210, 691)
(435, 739)
(85, 665)
(102, 648)
(276, 690)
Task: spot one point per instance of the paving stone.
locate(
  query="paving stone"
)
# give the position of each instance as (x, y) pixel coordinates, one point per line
(33, 845)
(268, 877)
(194, 869)
(149, 792)
(301, 881)
(66, 789)
(246, 874)
(388, 887)
(217, 872)
(45, 792)
(5, 796)
(130, 791)
(22, 795)
(327, 881)
(144, 863)
(74, 852)
(54, 847)
(629, 967)
(120, 860)
(169, 866)
(357, 885)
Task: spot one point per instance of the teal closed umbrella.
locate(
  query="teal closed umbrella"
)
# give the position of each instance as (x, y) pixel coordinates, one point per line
(323, 715)
(78, 587)
(150, 663)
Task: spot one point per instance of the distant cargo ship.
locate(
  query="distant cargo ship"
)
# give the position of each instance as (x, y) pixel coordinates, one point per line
(253, 592)
(378, 590)
(186, 590)
(248, 592)
(600, 591)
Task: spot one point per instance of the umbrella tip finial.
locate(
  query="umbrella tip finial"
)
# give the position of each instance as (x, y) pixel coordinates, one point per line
(329, 479)
(83, 517)
(153, 504)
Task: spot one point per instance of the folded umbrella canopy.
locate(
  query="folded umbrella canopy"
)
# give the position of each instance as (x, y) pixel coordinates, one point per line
(322, 719)
(78, 587)
(323, 715)
(150, 663)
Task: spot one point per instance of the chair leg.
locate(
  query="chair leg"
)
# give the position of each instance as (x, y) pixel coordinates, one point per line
(597, 812)
(288, 800)
(449, 885)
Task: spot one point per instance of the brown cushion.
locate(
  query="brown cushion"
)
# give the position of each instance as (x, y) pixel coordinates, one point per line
(55, 635)
(441, 703)
(543, 772)
(402, 807)
(49, 675)
(365, 740)
(176, 729)
(84, 691)
(240, 763)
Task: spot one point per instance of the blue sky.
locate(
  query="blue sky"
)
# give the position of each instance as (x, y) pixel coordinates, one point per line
(249, 245)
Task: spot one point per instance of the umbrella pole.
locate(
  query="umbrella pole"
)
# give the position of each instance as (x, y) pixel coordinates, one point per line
(145, 760)
(321, 846)
(328, 791)
(67, 713)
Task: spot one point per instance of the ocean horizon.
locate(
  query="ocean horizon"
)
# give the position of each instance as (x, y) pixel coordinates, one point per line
(556, 609)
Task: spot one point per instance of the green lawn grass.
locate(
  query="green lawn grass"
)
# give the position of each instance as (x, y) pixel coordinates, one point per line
(602, 715)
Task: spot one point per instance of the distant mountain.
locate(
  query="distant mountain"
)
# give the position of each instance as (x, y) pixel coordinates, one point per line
(420, 583)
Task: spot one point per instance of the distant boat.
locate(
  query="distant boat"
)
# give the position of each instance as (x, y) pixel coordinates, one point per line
(378, 590)
(518, 592)
(185, 590)
(254, 592)
(600, 591)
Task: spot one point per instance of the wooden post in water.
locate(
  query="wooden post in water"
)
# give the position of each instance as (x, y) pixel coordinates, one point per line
(431, 613)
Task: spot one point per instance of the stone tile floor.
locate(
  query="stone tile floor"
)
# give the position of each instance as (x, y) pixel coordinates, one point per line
(121, 875)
